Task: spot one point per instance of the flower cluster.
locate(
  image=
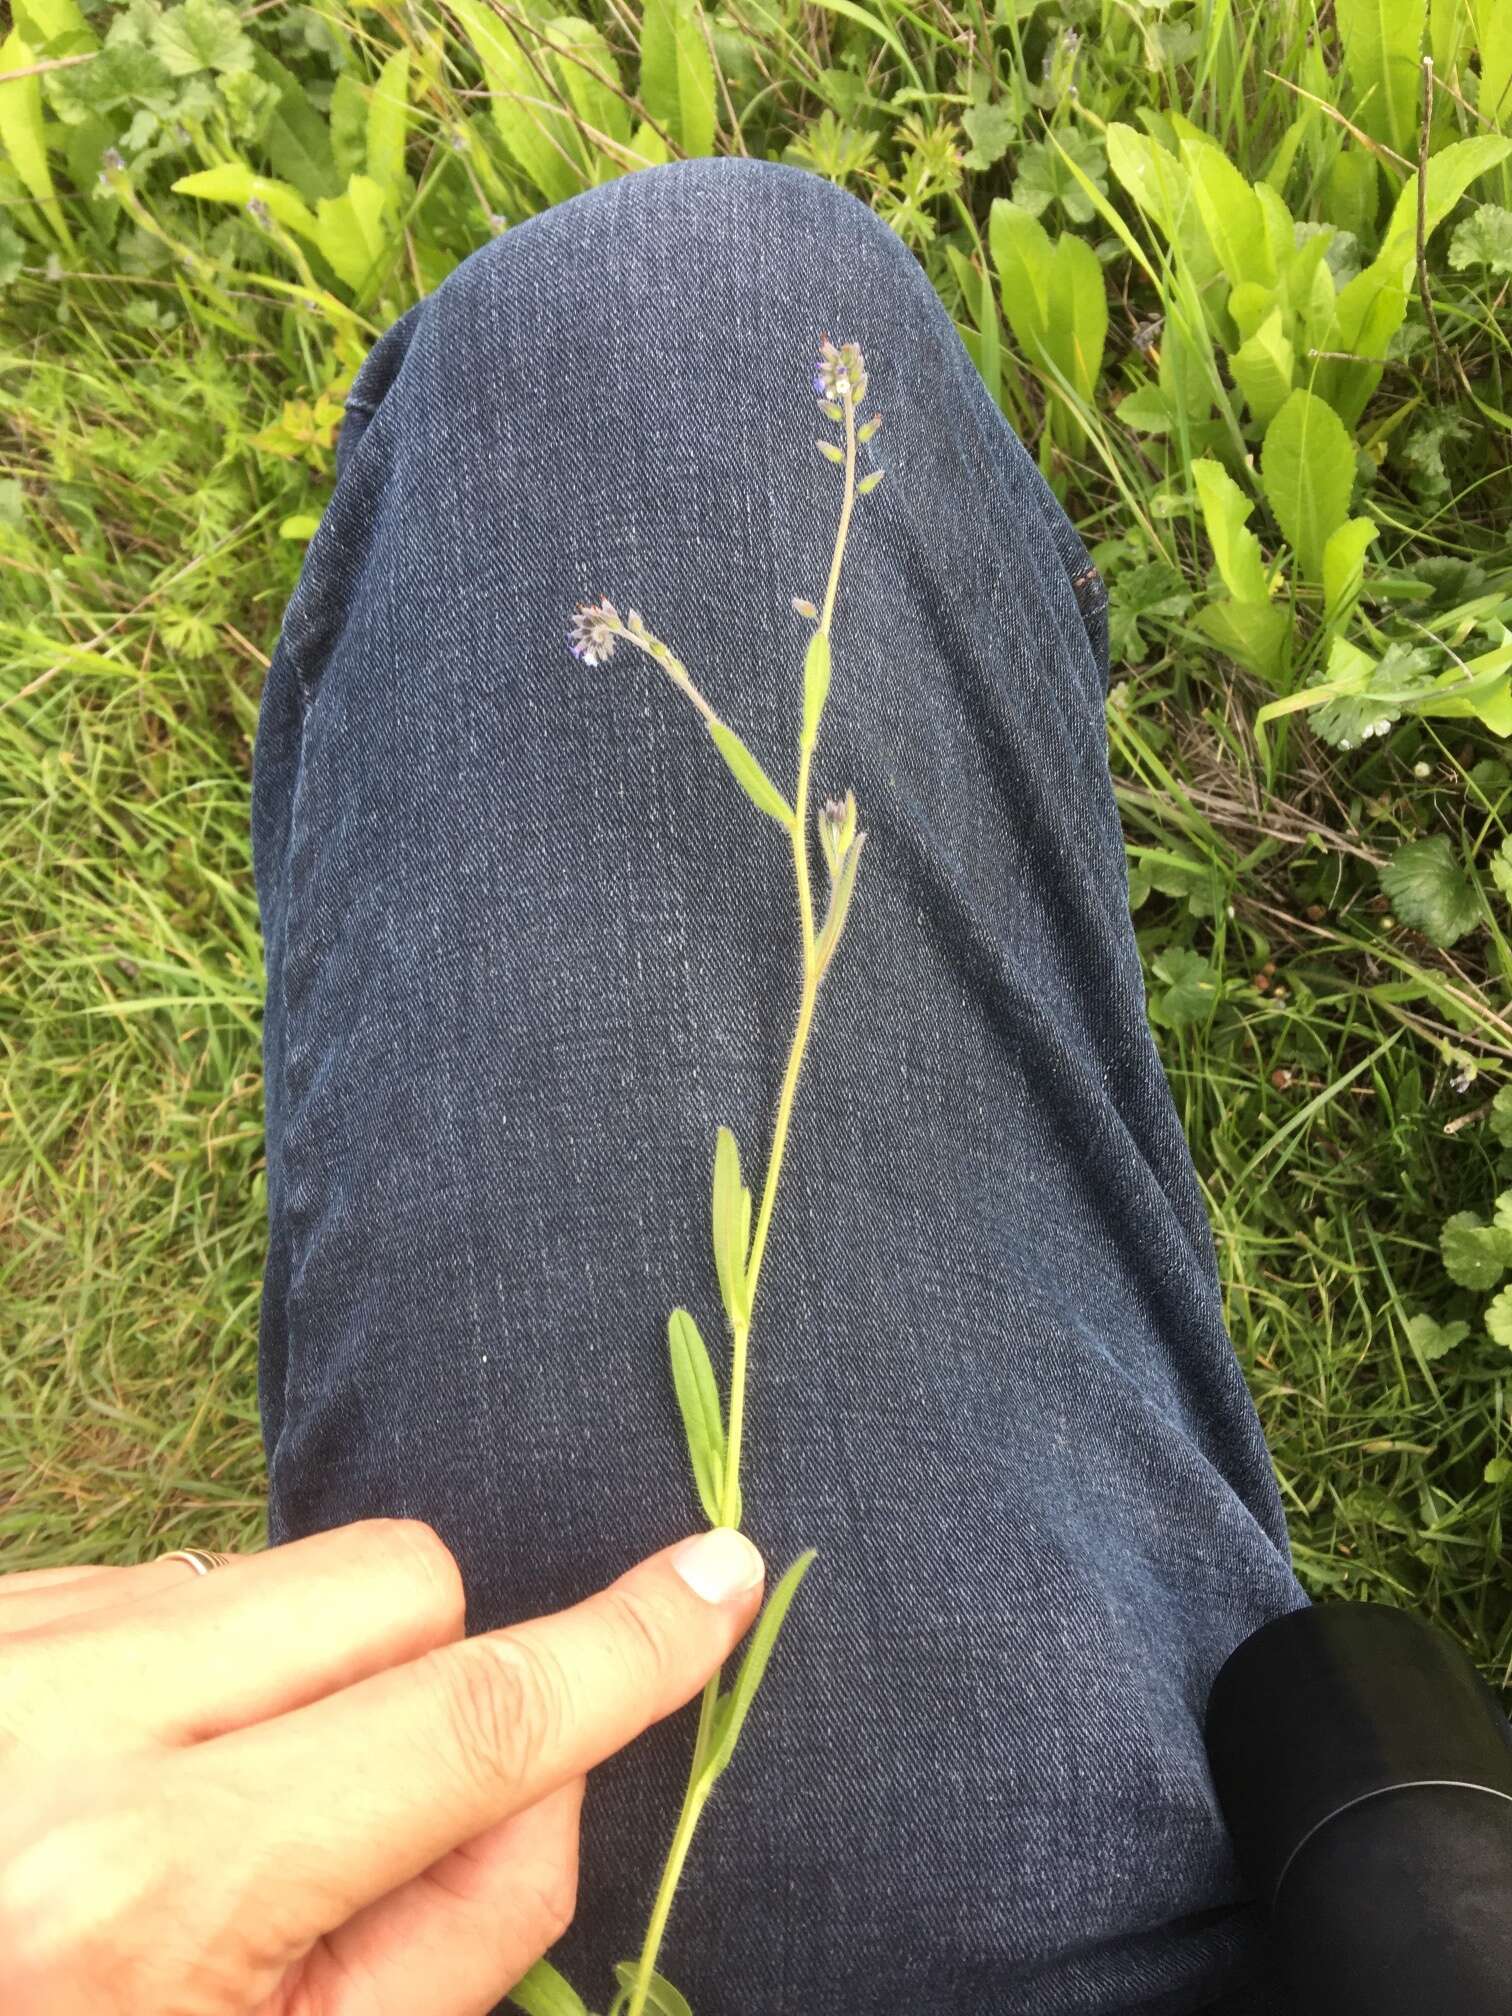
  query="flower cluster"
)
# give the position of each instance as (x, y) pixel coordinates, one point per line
(840, 371)
(594, 627)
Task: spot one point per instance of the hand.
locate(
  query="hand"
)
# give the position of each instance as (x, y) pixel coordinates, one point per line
(292, 1787)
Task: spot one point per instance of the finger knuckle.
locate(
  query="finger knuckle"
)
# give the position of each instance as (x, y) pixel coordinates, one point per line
(640, 1628)
(507, 1707)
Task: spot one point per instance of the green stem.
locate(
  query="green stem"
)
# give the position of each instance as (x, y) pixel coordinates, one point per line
(697, 1794)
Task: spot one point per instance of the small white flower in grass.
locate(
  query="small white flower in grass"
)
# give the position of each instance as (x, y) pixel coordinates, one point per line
(593, 630)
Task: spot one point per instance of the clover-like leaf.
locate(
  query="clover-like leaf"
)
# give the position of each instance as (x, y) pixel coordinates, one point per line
(1475, 1255)
(1431, 1340)
(1430, 890)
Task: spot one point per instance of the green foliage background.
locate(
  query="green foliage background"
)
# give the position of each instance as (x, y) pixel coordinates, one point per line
(1239, 277)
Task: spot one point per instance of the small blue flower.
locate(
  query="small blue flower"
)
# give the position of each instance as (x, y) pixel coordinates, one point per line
(593, 630)
(840, 369)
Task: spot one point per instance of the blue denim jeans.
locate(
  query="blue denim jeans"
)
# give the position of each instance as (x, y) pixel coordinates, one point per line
(528, 946)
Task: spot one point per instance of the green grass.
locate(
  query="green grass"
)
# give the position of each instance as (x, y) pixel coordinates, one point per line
(164, 438)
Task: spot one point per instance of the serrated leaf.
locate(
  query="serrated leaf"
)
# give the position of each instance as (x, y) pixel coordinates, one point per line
(1431, 1340)
(662, 1999)
(1262, 368)
(388, 123)
(816, 683)
(1498, 1319)
(840, 895)
(545, 1992)
(1484, 239)
(734, 1706)
(677, 75)
(698, 1401)
(532, 135)
(1307, 469)
(1381, 40)
(1430, 890)
(726, 1212)
(1254, 633)
(1475, 1255)
(749, 775)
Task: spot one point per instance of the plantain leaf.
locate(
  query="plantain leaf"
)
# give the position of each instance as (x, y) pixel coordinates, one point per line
(21, 132)
(734, 1706)
(1344, 567)
(698, 1399)
(1307, 469)
(387, 122)
(749, 775)
(677, 73)
(729, 1254)
(545, 1992)
(1236, 550)
(816, 683)
(1381, 41)
(662, 1999)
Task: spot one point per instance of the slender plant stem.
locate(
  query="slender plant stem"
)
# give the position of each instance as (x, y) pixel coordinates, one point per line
(697, 1794)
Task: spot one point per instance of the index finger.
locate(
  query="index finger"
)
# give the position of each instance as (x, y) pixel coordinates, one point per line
(377, 1782)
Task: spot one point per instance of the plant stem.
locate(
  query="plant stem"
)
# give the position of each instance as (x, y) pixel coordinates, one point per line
(697, 1794)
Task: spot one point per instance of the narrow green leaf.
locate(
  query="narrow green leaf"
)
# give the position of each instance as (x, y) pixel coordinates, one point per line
(816, 683)
(1253, 633)
(1307, 468)
(1020, 249)
(745, 1242)
(749, 775)
(661, 1997)
(1225, 512)
(839, 903)
(677, 74)
(21, 132)
(545, 1992)
(234, 182)
(698, 1399)
(530, 132)
(729, 1255)
(734, 1706)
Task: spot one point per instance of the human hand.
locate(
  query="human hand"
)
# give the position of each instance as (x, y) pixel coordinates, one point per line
(293, 1788)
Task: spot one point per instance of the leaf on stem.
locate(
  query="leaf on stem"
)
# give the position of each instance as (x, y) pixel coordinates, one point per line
(728, 1214)
(839, 903)
(733, 1707)
(698, 1398)
(544, 1992)
(749, 775)
(661, 1997)
(816, 683)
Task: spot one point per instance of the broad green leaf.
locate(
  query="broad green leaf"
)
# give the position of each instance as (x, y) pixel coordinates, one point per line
(1428, 888)
(22, 136)
(1484, 239)
(43, 21)
(234, 182)
(1255, 634)
(749, 775)
(1351, 192)
(587, 71)
(734, 1706)
(1020, 251)
(545, 1992)
(1431, 1340)
(662, 1999)
(1450, 173)
(1475, 1255)
(535, 137)
(698, 1401)
(387, 124)
(1381, 42)
(1236, 550)
(1366, 315)
(348, 127)
(677, 73)
(1262, 368)
(1501, 1111)
(1189, 990)
(298, 143)
(1500, 865)
(1344, 567)
(1498, 1318)
(1230, 213)
(201, 35)
(649, 145)
(1307, 469)
(816, 683)
(1249, 304)
(1479, 688)
(1146, 410)
(352, 235)
(1078, 313)
(729, 1255)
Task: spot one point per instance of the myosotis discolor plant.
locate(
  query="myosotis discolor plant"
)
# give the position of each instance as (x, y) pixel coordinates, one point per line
(714, 1440)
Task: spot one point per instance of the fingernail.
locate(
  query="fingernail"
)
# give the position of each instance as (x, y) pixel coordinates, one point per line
(719, 1564)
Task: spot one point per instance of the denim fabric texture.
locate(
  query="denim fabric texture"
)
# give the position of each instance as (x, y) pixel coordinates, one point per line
(528, 946)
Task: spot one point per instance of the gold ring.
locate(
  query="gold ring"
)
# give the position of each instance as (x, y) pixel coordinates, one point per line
(198, 1559)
